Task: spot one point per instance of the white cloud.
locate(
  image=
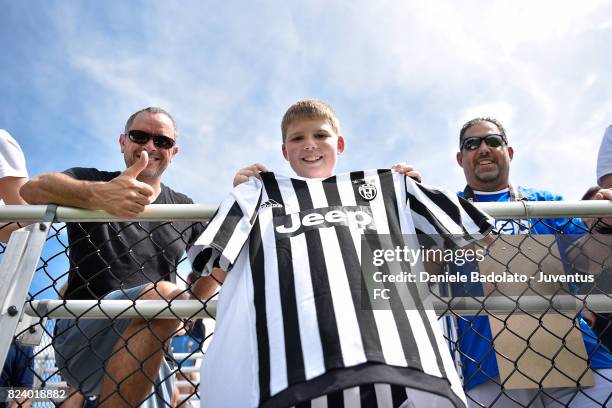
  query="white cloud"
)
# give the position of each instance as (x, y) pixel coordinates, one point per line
(403, 76)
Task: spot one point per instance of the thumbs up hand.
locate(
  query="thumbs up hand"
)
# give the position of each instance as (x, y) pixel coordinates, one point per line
(125, 196)
(135, 169)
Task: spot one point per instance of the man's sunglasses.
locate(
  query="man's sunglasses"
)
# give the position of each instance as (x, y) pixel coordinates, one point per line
(473, 143)
(141, 137)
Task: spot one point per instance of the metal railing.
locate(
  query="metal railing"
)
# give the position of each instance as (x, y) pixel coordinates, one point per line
(24, 256)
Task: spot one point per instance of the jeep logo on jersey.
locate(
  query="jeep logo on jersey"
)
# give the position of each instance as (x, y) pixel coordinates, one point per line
(367, 191)
(355, 217)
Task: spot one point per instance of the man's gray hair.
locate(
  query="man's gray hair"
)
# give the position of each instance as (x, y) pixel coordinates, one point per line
(153, 110)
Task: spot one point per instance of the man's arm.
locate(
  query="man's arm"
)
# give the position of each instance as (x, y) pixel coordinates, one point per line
(590, 254)
(123, 196)
(206, 286)
(605, 194)
(59, 188)
(606, 181)
(9, 190)
(21, 403)
(9, 193)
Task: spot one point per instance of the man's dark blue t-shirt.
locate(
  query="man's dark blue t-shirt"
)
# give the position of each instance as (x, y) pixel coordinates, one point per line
(17, 371)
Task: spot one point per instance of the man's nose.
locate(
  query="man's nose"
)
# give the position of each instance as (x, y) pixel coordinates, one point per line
(150, 145)
(483, 148)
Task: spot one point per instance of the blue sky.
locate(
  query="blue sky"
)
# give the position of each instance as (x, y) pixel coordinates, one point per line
(403, 77)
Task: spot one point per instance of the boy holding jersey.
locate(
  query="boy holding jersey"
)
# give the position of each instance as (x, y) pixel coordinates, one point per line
(294, 282)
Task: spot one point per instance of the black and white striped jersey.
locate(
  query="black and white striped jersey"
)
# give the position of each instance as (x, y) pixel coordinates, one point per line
(290, 324)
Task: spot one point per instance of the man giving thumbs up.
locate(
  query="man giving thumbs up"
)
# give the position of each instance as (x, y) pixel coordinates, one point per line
(120, 360)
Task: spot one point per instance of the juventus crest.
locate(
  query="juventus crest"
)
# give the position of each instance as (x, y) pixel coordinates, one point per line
(367, 191)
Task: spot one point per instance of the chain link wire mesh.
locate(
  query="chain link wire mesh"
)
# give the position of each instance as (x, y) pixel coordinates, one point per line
(521, 357)
(139, 261)
(89, 361)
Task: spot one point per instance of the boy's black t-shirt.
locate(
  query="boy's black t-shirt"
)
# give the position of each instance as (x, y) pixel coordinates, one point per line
(112, 255)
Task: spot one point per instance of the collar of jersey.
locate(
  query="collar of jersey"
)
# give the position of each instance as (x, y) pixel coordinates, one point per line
(504, 190)
(295, 176)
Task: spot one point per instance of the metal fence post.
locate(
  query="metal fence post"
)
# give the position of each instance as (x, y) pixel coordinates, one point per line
(16, 272)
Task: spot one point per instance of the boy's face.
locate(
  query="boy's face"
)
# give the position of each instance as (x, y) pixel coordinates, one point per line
(312, 147)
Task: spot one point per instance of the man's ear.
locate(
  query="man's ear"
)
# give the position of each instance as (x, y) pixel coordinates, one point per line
(460, 159)
(510, 152)
(122, 142)
(175, 150)
(340, 144)
(284, 150)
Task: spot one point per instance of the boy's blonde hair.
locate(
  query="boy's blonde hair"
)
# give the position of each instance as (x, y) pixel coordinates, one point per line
(311, 109)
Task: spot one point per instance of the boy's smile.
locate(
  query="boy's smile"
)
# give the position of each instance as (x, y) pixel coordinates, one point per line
(312, 147)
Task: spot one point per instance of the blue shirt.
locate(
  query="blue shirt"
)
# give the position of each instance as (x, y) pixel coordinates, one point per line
(474, 333)
(190, 343)
(17, 371)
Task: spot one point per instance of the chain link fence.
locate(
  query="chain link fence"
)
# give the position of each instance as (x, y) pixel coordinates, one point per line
(84, 350)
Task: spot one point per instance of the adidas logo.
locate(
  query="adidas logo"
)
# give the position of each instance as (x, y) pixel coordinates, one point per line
(271, 204)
